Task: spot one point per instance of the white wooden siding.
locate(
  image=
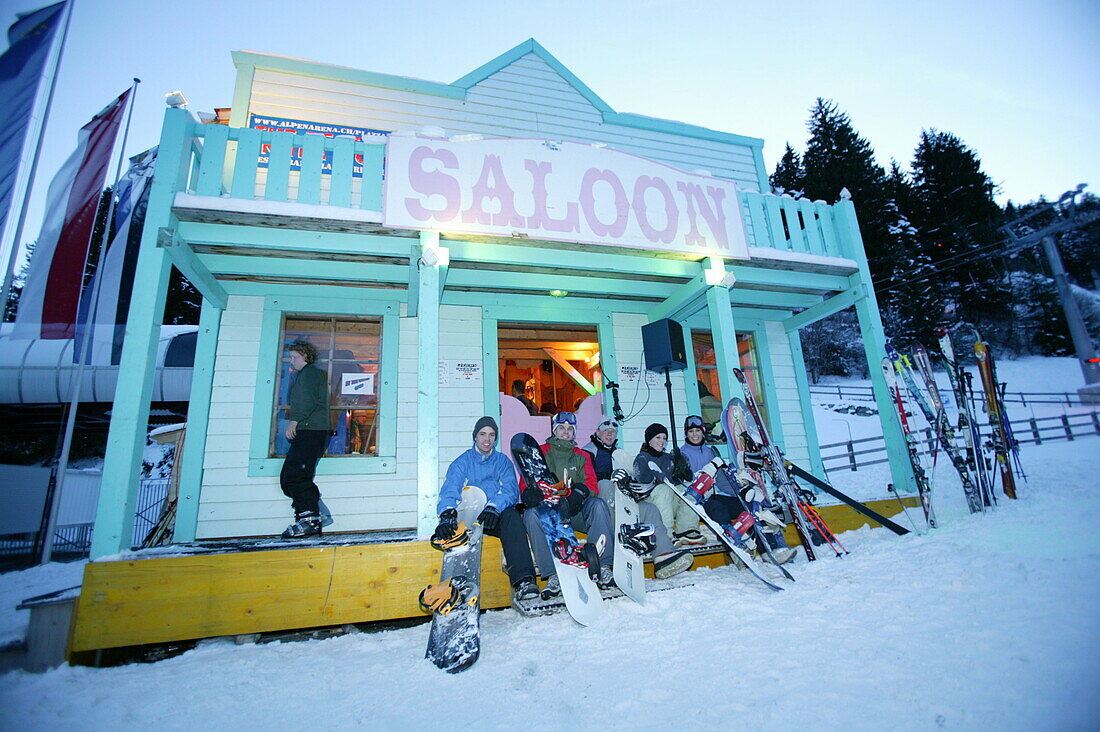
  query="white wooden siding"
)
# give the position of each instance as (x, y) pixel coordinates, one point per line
(234, 504)
(627, 328)
(527, 98)
(786, 394)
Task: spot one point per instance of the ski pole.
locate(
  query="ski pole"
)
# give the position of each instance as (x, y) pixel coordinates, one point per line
(819, 524)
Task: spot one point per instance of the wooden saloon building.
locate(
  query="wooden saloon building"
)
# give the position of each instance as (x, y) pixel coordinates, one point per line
(437, 243)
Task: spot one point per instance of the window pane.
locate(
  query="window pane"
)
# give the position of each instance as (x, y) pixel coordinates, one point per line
(349, 352)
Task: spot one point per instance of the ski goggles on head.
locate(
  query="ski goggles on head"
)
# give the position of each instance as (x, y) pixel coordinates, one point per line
(694, 422)
(564, 418)
(608, 424)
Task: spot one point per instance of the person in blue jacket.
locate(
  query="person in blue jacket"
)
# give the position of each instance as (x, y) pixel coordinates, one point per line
(485, 467)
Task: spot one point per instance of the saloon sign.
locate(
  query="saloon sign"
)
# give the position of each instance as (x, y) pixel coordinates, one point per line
(559, 191)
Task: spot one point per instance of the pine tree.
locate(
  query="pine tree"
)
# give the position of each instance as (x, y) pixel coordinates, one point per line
(954, 211)
(789, 174)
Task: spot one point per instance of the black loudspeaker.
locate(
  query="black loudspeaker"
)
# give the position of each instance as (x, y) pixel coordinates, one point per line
(663, 345)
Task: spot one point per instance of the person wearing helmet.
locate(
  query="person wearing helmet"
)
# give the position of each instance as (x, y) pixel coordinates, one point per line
(580, 504)
(488, 469)
(661, 469)
(608, 459)
(722, 505)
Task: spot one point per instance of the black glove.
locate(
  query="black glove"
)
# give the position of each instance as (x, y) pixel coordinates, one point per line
(489, 519)
(448, 525)
(621, 479)
(753, 459)
(681, 471)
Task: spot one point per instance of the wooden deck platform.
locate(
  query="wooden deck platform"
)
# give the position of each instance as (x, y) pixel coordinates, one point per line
(253, 586)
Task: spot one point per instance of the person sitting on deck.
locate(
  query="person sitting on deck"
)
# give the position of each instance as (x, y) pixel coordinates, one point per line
(722, 505)
(580, 505)
(488, 469)
(607, 460)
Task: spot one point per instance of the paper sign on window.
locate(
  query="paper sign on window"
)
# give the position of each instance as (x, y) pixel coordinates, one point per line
(357, 384)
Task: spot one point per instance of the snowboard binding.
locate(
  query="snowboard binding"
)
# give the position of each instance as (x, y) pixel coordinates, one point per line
(568, 553)
(443, 597)
(638, 538)
(461, 537)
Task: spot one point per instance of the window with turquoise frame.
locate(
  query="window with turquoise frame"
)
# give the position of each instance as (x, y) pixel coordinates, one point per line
(706, 373)
(349, 353)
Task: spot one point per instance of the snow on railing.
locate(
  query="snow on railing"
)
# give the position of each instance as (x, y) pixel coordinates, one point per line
(855, 454)
(796, 225)
(866, 394)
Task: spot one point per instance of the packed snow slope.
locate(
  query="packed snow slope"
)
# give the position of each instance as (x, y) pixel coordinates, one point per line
(990, 622)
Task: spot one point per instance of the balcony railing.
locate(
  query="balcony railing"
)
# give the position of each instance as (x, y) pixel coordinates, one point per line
(342, 173)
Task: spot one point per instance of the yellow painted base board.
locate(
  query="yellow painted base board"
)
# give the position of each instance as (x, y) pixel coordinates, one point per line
(163, 599)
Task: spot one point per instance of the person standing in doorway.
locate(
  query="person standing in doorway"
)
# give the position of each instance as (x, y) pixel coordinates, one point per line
(308, 432)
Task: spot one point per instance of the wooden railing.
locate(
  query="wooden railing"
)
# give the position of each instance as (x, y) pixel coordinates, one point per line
(856, 454)
(243, 163)
(796, 225)
(862, 393)
(270, 165)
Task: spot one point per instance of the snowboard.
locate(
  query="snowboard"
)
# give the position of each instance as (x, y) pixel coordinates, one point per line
(454, 641)
(629, 567)
(582, 596)
(725, 538)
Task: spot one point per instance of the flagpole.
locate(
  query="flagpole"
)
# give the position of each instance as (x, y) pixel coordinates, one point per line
(77, 380)
(9, 272)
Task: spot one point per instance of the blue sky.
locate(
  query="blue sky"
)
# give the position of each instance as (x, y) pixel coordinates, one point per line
(1017, 81)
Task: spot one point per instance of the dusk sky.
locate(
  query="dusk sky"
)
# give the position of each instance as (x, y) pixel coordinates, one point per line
(1016, 81)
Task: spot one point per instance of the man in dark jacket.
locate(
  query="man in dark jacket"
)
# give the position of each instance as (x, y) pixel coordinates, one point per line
(572, 467)
(308, 432)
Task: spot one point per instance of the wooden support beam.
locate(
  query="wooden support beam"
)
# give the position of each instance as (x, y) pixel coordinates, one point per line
(187, 262)
(824, 309)
(573, 373)
(688, 299)
(427, 391)
(198, 414)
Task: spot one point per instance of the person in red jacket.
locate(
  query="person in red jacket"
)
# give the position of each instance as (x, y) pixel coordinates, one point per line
(580, 505)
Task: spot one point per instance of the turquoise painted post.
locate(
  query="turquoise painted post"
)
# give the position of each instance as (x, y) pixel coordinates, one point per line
(874, 344)
(114, 523)
(427, 392)
(489, 359)
(813, 444)
(198, 419)
(725, 341)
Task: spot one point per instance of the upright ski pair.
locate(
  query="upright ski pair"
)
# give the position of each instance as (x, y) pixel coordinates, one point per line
(939, 422)
(924, 482)
(1004, 442)
(963, 389)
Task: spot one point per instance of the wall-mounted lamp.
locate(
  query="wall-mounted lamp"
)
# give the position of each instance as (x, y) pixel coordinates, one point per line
(558, 293)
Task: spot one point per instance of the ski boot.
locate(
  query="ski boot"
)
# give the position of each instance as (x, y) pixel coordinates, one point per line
(552, 589)
(525, 590)
(306, 524)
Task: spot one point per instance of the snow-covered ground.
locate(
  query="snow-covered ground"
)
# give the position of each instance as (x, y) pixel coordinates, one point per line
(988, 622)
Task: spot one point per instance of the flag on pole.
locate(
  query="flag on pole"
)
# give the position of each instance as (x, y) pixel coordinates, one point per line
(104, 321)
(51, 294)
(21, 69)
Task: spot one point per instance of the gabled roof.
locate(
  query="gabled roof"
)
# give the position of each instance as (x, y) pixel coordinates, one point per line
(458, 89)
(531, 46)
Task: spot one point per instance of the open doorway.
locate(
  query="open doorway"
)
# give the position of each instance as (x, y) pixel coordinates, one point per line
(545, 368)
